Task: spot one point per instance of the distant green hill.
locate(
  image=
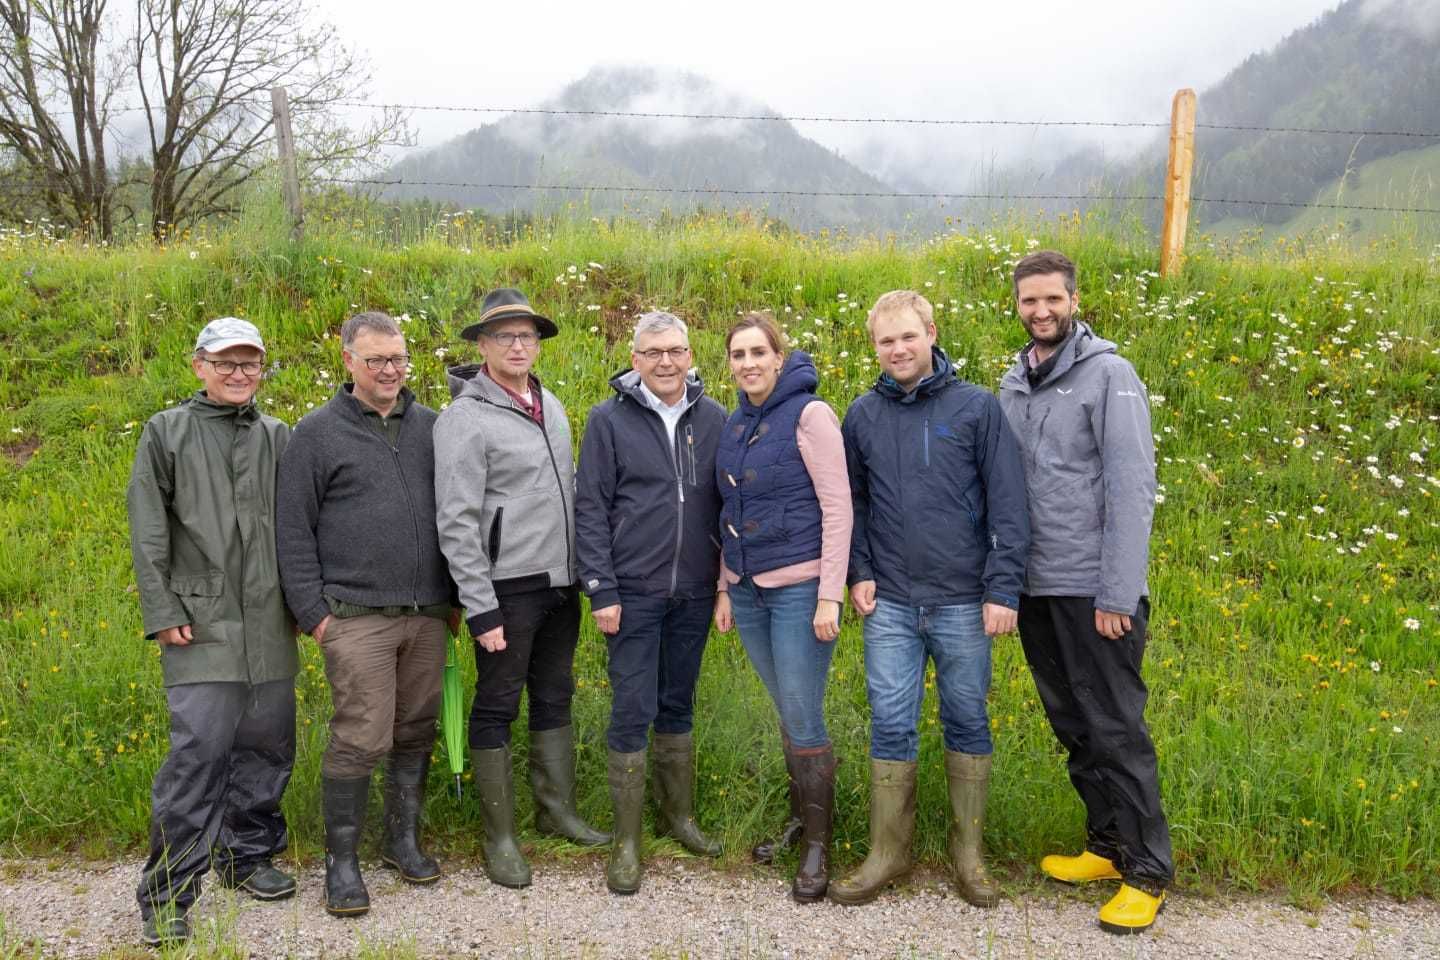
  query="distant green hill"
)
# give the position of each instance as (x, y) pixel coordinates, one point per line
(1363, 66)
(1409, 180)
(1367, 65)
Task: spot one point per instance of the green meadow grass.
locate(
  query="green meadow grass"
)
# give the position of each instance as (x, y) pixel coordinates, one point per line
(1295, 639)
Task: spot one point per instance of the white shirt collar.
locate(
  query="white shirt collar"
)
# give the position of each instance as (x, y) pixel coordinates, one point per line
(658, 405)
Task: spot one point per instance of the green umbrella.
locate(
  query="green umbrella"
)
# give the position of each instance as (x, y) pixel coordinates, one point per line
(452, 710)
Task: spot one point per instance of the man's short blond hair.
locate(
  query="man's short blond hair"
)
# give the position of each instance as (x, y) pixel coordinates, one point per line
(900, 301)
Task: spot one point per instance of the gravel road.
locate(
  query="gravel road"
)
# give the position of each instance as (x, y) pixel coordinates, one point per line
(688, 909)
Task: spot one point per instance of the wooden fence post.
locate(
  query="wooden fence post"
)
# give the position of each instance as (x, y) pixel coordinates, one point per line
(1177, 182)
(289, 172)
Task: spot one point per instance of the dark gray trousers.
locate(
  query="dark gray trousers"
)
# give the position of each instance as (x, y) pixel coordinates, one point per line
(231, 749)
(1095, 698)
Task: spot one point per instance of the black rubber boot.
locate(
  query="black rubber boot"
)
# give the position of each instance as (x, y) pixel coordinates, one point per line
(673, 758)
(344, 803)
(815, 772)
(404, 800)
(552, 782)
(504, 863)
(765, 850)
(626, 772)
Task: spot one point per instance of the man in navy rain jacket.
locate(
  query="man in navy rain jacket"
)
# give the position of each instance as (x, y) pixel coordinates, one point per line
(937, 560)
(646, 515)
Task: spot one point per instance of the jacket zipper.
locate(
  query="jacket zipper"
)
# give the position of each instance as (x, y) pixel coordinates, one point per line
(678, 464)
(927, 440)
(410, 508)
(555, 467)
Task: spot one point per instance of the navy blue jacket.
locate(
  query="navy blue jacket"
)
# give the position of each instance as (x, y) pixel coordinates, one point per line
(646, 512)
(938, 485)
(771, 516)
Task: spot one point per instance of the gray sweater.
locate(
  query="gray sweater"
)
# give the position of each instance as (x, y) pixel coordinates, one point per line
(355, 516)
(504, 495)
(1089, 473)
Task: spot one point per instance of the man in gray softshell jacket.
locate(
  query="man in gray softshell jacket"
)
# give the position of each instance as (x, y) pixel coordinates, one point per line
(505, 514)
(1083, 419)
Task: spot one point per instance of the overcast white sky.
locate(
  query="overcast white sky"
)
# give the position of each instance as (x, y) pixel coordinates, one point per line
(1044, 59)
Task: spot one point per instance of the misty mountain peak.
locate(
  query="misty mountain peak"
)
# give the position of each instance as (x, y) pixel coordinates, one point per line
(643, 89)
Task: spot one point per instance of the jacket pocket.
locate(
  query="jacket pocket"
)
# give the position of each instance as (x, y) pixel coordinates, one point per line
(202, 595)
(493, 547)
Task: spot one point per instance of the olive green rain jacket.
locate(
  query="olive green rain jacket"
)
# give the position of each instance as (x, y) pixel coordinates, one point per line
(202, 538)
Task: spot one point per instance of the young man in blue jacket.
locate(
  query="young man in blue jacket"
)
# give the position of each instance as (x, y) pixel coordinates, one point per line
(646, 512)
(936, 563)
(1091, 478)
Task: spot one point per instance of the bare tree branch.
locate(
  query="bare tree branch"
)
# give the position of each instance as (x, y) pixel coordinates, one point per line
(201, 71)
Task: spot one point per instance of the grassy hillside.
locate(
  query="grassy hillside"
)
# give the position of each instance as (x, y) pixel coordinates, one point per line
(1404, 180)
(1294, 661)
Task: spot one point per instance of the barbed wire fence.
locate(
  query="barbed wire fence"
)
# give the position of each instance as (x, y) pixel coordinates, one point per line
(709, 190)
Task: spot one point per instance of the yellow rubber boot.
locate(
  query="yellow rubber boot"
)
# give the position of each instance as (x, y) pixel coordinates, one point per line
(1130, 910)
(1082, 869)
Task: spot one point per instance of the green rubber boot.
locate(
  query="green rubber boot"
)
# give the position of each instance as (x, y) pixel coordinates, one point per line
(626, 773)
(969, 776)
(674, 785)
(892, 828)
(552, 782)
(504, 863)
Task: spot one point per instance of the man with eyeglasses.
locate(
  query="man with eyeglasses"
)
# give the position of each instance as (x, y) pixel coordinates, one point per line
(361, 565)
(646, 509)
(504, 491)
(201, 502)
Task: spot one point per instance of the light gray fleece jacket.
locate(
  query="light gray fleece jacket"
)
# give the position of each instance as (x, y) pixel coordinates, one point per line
(1089, 473)
(504, 494)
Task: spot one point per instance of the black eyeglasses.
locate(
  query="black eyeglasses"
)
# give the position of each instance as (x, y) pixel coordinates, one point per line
(527, 338)
(676, 354)
(251, 368)
(375, 364)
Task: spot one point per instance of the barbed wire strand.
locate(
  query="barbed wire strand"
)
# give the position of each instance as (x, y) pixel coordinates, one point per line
(861, 195)
(822, 118)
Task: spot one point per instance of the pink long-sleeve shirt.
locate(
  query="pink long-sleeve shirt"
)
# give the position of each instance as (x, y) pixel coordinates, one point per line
(822, 449)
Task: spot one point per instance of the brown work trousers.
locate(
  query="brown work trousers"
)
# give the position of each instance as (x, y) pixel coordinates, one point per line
(384, 675)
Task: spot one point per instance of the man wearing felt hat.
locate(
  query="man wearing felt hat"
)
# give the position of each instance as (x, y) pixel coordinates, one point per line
(201, 502)
(505, 510)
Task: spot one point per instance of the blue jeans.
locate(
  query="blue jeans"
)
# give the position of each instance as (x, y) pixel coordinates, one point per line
(898, 638)
(654, 663)
(777, 629)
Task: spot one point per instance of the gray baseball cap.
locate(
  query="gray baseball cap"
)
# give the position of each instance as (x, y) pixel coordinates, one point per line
(227, 332)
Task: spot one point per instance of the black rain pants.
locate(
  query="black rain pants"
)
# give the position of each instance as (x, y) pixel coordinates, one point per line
(232, 746)
(1095, 698)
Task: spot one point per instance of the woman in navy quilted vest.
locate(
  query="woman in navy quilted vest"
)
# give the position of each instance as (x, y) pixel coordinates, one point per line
(785, 532)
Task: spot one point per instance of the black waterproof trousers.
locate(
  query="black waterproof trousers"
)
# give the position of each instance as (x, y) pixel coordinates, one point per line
(231, 749)
(542, 628)
(1095, 698)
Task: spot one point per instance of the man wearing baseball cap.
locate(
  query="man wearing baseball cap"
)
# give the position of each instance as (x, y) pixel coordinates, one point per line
(201, 501)
(505, 510)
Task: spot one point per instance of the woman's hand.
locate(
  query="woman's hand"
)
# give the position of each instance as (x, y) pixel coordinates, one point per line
(827, 620)
(724, 620)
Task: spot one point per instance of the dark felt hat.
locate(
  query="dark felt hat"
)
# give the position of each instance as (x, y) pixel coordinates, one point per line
(507, 303)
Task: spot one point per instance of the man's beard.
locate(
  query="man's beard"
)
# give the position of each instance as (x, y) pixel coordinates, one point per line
(1063, 328)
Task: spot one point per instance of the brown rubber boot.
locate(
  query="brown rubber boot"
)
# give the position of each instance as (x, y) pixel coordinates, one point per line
(815, 774)
(765, 850)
